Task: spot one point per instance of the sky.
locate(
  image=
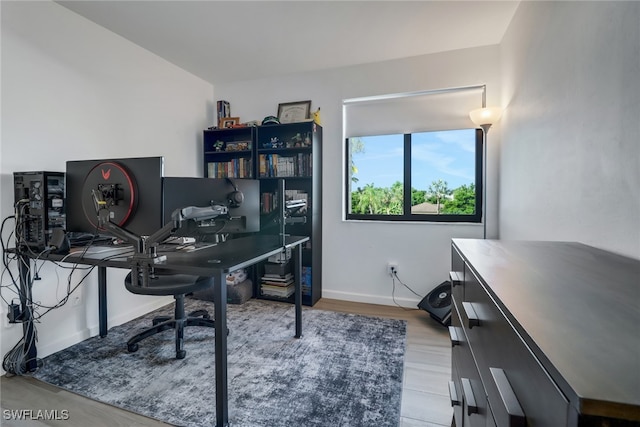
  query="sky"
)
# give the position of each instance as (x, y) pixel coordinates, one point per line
(446, 155)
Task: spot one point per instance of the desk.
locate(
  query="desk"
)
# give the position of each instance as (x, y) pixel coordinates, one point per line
(215, 261)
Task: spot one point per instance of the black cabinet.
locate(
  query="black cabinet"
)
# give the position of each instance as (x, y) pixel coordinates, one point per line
(544, 334)
(291, 152)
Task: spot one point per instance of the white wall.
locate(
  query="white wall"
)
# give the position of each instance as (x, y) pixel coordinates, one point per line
(72, 90)
(355, 254)
(570, 157)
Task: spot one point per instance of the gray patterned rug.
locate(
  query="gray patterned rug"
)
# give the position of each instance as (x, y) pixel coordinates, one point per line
(346, 370)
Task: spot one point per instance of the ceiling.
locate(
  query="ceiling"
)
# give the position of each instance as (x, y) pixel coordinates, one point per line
(227, 41)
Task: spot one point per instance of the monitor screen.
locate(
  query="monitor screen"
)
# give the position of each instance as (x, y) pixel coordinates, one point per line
(132, 186)
(202, 192)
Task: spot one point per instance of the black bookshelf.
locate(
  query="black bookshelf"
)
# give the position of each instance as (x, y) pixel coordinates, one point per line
(291, 152)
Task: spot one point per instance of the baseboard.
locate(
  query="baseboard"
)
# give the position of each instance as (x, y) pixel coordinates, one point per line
(91, 331)
(370, 299)
(121, 318)
(61, 344)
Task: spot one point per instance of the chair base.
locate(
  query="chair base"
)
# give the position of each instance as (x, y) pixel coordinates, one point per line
(179, 322)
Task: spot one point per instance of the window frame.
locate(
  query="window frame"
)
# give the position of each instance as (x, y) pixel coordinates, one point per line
(410, 217)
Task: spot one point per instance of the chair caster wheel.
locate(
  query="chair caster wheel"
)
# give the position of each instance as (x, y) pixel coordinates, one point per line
(181, 354)
(132, 348)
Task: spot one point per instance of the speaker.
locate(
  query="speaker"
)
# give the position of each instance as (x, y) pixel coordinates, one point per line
(438, 303)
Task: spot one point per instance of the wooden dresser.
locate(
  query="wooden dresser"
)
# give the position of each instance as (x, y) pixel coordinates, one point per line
(544, 334)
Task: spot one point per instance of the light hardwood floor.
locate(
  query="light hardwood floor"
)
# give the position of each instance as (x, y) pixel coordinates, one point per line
(425, 399)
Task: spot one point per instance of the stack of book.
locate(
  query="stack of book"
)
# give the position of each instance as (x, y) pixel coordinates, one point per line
(277, 280)
(274, 285)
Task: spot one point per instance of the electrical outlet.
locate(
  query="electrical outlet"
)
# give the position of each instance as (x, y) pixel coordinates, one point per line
(392, 268)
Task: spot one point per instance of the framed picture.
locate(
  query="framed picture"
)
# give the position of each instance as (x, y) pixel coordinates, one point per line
(229, 122)
(292, 112)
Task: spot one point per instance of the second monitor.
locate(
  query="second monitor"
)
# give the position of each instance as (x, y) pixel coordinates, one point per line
(242, 196)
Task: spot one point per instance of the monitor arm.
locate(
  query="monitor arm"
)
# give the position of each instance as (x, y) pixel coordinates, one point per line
(145, 257)
(103, 212)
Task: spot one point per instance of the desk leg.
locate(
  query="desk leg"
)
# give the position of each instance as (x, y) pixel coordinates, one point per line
(220, 317)
(297, 253)
(28, 331)
(102, 300)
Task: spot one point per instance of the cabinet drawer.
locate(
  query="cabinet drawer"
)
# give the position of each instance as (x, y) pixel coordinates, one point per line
(455, 394)
(467, 379)
(497, 345)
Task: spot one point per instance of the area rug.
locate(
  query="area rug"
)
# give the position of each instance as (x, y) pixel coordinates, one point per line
(346, 370)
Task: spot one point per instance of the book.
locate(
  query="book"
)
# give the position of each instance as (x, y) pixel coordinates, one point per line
(277, 291)
(277, 278)
(277, 284)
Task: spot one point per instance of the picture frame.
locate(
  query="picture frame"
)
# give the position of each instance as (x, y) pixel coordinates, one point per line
(229, 122)
(291, 112)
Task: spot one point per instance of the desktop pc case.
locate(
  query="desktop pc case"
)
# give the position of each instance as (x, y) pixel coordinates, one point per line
(40, 207)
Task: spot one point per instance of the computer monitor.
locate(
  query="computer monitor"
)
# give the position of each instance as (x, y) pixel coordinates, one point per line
(132, 186)
(244, 217)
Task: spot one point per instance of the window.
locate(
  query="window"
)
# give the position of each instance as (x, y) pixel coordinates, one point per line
(419, 176)
(414, 156)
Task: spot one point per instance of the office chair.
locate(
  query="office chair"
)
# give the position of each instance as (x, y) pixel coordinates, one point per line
(177, 285)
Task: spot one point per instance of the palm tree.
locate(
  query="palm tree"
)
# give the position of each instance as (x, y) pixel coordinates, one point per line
(438, 189)
(369, 200)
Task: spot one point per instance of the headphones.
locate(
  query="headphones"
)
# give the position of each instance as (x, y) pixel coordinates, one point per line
(236, 197)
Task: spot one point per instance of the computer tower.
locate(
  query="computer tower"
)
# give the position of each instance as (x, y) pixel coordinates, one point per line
(40, 207)
(438, 303)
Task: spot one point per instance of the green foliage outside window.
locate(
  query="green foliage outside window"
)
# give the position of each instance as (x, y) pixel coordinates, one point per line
(372, 200)
(463, 202)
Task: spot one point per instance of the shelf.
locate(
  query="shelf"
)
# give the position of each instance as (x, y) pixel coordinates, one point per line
(244, 153)
(275, 178)
(284, 150)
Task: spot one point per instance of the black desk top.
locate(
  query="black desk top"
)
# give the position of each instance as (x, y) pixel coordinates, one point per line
(220, 258)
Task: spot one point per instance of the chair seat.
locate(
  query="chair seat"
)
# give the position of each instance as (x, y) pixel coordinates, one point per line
(177, 285)
(172, 284)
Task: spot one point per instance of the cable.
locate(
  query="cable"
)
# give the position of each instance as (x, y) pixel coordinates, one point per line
(15, 361)
(394, 276)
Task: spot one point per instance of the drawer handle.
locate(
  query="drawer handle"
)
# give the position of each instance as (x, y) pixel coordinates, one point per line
(471, 314)
(508, 397)
(453, 334)
(455, 278)
(467, 392)
(453, 394)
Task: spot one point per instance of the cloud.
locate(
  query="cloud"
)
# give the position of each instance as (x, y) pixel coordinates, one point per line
(458, 138)
(445, 163)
